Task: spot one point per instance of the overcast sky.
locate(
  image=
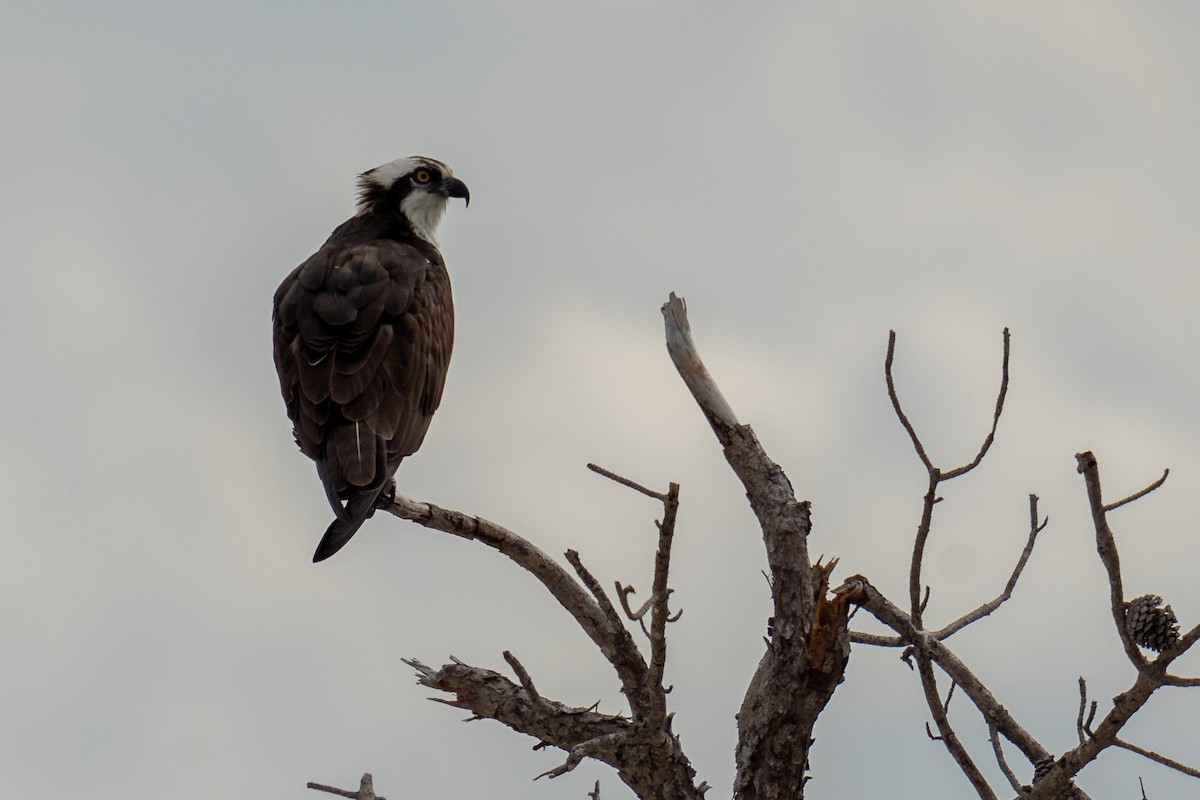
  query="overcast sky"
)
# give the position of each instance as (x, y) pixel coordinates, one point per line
(806, 176)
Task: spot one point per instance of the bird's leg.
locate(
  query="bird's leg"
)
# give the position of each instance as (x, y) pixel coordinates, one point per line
(387, 495)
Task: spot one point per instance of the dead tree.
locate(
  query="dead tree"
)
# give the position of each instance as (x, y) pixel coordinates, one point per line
(809, 639)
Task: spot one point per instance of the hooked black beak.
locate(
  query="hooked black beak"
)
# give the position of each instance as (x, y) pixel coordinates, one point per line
(453, 187)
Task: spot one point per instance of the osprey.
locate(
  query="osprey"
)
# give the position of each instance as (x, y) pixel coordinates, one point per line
(362, 334)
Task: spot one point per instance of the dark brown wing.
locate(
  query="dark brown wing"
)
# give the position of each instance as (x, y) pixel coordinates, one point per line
(362, 339)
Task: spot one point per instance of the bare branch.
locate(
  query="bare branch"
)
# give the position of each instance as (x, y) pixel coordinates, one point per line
(490, 695)
(946, 733)
(593, 586)
(987, 442)
(1173, 680)
(1106, 547)
(1081, 727)
(366, 789)
(1142, 493)
(989, 707)
(526, 682)
(1157, 758)
(594, 794)
(660, 595)
(637, 487)
(787, 691)
(987, 608)
(916, 604)
(895, 398)
(623, 593)
(602, 748)
(785, 522)
(998, 749)
(876, 640)
(650, 759)
(687, 361)
(566, 590)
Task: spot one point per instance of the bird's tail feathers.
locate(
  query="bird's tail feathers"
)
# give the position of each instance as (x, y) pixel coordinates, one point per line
(331, 494)
(357, 511)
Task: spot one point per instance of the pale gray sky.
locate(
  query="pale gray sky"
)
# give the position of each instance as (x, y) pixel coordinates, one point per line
(806, 176)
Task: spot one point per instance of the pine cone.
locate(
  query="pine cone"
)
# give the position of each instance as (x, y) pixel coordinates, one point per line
(1151, 627)
(1042, 768)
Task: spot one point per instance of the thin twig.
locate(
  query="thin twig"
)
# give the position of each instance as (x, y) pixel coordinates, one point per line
(987, 442)
(589, 749)
(949, 695)
(987, 608)
(994, 735)
(638, 616)
(946, 733)
(660, 595)
(917, 605)
(895, 398)
(523, 676)
(876, 639)
(596, 589)
(1142, 493)
(637, 487)
(1082, 706)
(1157, 758)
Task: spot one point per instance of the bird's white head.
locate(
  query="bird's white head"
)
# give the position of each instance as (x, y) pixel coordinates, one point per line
(420, 188)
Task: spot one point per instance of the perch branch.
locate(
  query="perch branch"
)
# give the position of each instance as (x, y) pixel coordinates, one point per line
(612, 640)
(645, 753)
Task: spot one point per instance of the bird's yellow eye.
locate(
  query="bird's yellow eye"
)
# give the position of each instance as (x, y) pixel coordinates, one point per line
(422, 176)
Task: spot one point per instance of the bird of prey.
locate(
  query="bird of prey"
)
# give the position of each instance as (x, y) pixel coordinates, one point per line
(362, 335)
